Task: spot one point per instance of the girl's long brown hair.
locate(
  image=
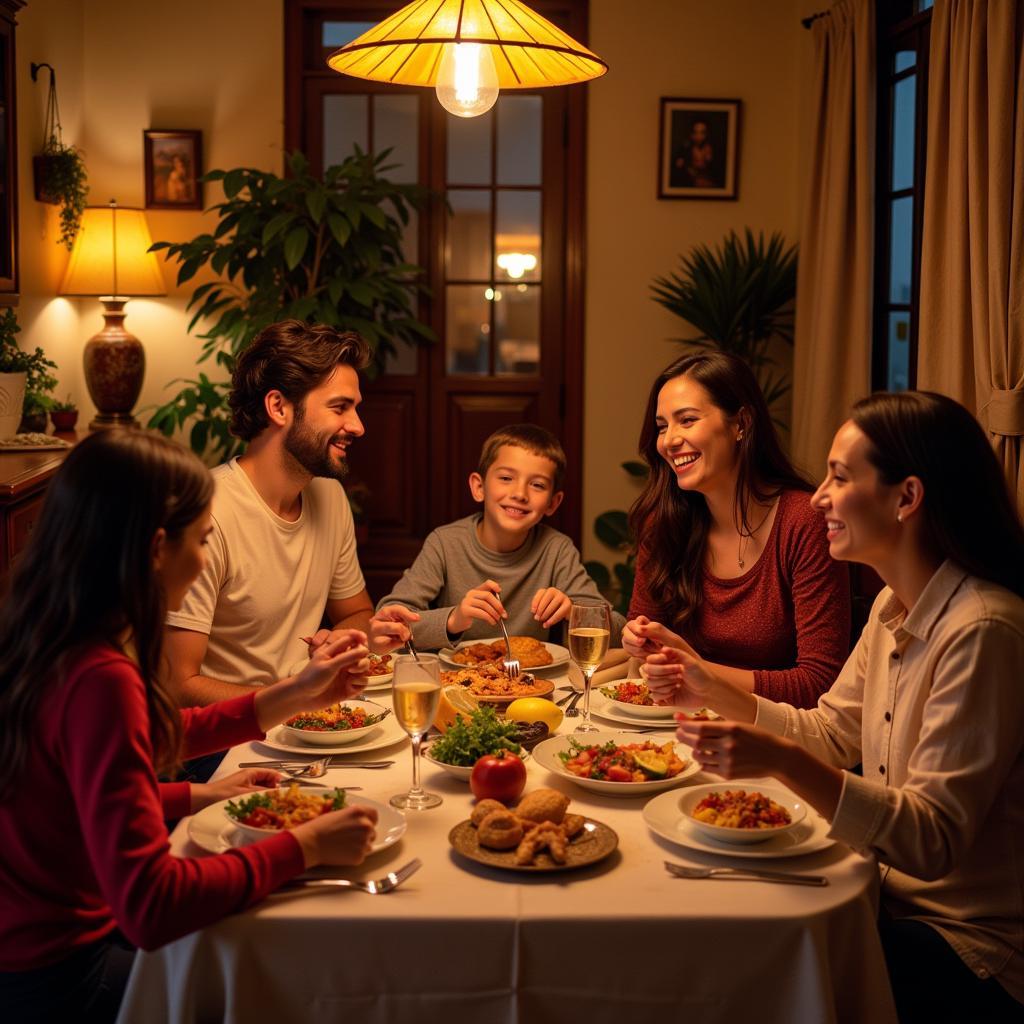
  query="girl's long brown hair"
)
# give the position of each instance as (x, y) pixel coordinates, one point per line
(86, 578)
(671, 525)
(969, 515)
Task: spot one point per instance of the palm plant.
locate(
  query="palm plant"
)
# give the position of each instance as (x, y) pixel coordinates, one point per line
(739, 297)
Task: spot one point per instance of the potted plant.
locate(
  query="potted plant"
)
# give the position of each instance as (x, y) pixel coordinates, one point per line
(326, 250)
(59, 171)
(64, 415)
(24, 378)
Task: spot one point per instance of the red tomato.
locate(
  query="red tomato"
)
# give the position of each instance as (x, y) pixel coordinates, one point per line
(500, 776)
(616, 773)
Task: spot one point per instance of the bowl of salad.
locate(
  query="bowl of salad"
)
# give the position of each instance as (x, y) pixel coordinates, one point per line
(738, 813)
(270, 811)
(617, 764)
(340, 723)
(471, 737)
(633, 697)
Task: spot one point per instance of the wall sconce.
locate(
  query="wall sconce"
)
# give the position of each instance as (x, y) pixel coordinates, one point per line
(111, 261)
(515, 264)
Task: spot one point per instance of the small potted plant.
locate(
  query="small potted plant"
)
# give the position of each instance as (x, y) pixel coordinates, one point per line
(25, 379)
(64, 415)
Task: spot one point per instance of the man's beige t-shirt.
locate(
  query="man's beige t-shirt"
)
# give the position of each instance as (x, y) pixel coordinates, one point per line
(266, 580)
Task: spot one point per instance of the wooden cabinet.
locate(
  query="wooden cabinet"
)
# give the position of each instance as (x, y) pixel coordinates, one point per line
(24, 477)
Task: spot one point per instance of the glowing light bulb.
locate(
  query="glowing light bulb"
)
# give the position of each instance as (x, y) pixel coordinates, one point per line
(467, 83)
(515, 264)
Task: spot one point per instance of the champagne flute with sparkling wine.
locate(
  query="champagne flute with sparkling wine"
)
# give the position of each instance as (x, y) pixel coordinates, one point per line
(416, 690)
(590, 630)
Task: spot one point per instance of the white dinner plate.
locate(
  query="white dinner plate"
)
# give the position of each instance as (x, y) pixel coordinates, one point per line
(665, 817)
(376, 684)
(615, 711)
(212, 829)
(546, 755)
(332, 737)
(559, 655)
(385, 734)
(657, 713)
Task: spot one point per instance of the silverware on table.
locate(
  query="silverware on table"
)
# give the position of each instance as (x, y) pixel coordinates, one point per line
(510, 664)
(570, 711)
(332, 762)
(743, 875)
(565, 700)
(392, 880)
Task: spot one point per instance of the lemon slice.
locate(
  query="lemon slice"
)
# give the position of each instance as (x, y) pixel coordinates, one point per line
(454, 700)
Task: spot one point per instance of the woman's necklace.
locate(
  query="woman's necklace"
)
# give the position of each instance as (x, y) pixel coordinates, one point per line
(744, 536)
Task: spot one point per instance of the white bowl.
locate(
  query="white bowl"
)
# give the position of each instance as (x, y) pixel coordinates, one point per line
(796, 807)
(639, 710)
(252, 830)
(332, 737)
(546, 755)
(461, 771)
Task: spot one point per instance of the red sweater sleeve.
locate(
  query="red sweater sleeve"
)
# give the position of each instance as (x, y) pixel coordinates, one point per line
(220, 726)
(819, 587)
(154, 896)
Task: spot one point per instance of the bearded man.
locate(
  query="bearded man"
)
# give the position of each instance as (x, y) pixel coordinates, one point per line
(282, 551)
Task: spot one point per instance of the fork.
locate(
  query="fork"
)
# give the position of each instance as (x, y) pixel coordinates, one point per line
(313, 770)
(510, 664)
(411, 647)
(744, 875)
(570, 711)
(375, 887)
(285, 765)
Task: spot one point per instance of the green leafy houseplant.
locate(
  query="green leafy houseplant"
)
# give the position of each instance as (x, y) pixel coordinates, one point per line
(36, 367)
(61, 178)
(740, 298)
(323, 250)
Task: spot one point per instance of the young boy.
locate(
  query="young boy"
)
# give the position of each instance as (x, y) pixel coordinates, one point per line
(502, 562)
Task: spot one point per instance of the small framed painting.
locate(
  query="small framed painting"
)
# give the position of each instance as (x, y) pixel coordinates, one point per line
(699, 149)
(173, 163)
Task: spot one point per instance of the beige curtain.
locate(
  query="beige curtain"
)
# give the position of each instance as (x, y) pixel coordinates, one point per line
(971, 332)
(832, 350)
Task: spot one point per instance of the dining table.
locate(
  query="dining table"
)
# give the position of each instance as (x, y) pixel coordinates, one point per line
(620, 941)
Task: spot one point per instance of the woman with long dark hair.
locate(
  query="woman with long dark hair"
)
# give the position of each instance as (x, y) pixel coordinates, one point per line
(732, 565)
(86, 725)
(931, 701)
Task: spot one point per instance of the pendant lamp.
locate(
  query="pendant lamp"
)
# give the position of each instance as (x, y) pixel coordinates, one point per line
(468, 50)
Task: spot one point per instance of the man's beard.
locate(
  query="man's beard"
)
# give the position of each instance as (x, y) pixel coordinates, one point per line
(312, 451)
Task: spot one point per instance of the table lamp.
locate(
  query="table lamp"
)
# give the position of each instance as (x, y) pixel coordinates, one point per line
(110, 260)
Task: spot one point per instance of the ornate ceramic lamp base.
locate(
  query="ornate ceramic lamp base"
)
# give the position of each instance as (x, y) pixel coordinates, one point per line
(114, 367)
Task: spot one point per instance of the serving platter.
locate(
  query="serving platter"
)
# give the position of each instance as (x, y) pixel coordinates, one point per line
(213, 830)
(616, 711)
(559, 655)
(665, 817)
(595, 842)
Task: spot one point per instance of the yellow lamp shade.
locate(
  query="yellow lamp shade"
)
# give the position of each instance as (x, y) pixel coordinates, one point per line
(409, 48)
(111, 257)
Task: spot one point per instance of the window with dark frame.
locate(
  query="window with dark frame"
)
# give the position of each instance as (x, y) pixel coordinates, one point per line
(902, 40)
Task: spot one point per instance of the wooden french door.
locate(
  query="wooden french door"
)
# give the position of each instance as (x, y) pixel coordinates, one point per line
(502, 247)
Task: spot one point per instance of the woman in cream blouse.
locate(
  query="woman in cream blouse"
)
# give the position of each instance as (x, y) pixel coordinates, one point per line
(931, 702)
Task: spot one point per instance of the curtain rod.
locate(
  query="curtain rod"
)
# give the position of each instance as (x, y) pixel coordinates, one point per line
(809, 21)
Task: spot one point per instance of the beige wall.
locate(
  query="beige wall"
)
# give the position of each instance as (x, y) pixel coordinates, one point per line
(216, 65)
(742, 49)
(125, 67)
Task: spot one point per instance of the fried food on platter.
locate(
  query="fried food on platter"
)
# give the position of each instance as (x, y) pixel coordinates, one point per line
(500, 830)
(529, 652)
(548, 835)
(573, 824)
(543, 805)
(485, 807)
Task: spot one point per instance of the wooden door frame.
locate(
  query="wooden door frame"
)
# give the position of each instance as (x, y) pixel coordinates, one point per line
(301, 17)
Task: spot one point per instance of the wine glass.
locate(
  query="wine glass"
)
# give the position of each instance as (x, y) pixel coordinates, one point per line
(590, 630)
(415, 691)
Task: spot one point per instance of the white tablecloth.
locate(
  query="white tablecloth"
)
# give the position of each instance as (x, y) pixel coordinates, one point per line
(620, 942)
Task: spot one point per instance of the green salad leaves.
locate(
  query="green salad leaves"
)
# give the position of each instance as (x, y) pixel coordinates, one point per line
(466, 742)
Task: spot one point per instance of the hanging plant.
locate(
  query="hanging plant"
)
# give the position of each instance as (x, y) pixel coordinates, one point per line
(59, 171)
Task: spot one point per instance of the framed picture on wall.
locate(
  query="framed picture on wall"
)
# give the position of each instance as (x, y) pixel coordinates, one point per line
(173, 162)
(699, 149)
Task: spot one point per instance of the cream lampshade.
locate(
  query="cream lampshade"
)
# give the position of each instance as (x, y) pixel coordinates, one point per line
(110, 260)
(468, 50)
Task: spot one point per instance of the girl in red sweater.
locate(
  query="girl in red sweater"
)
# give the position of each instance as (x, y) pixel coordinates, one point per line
(732, 563)
(86, 725)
